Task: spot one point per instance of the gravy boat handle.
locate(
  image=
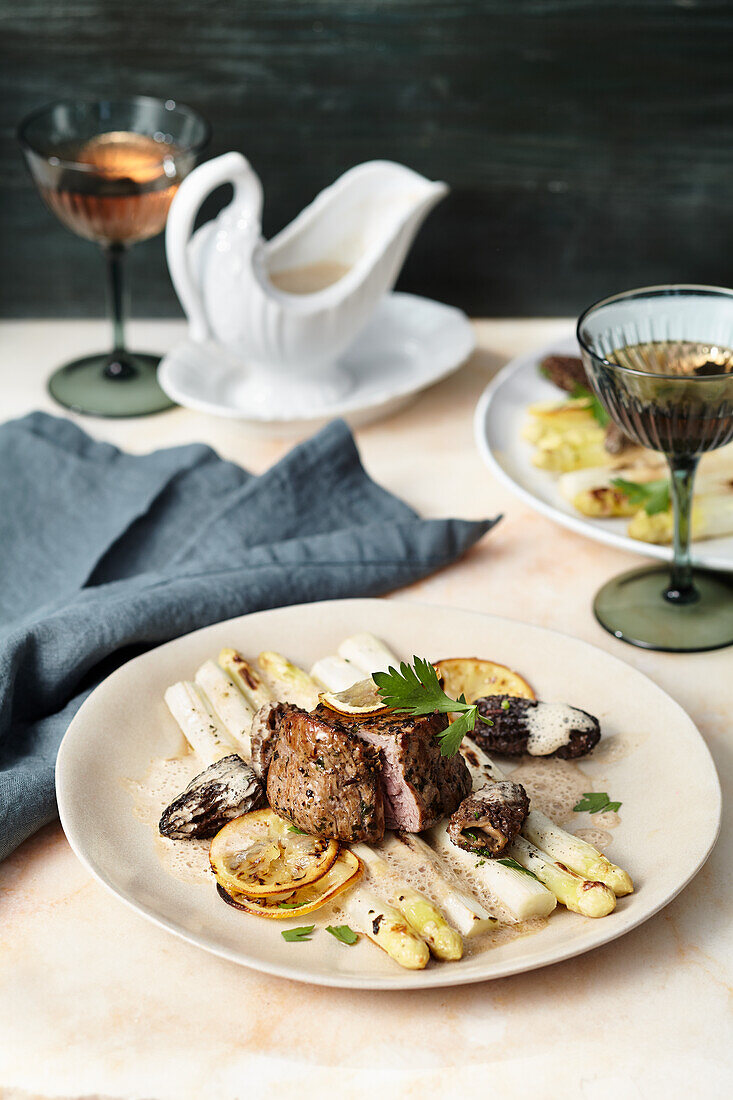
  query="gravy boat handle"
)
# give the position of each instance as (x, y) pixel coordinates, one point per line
(229, 168)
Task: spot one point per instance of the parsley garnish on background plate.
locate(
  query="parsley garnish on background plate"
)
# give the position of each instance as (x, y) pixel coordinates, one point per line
(595, 801)
(416, 690)
(343, 933)
(297, 935)
(652, 496)
(596, 409)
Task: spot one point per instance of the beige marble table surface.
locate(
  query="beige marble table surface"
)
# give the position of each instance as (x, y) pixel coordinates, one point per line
(96, 1001)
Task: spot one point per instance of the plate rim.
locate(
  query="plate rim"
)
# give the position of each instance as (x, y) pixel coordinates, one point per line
(579, 524)
(427, 979)
(350, 404)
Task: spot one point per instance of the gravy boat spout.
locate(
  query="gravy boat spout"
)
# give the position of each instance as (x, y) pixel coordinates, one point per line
(286, 309)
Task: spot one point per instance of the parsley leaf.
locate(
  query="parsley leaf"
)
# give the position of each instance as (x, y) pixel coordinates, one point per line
(595, 408)
(509, 862)
(295, 829)
(653, 496)
(450, 738)
(595, 802)
(343, 933)
(297, 935)
(291, 904)
(415, 689)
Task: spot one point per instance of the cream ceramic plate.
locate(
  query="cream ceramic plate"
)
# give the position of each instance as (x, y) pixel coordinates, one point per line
(500, 416)
(654, 760)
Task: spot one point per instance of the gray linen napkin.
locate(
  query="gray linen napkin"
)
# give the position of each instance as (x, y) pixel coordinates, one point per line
(104, 554)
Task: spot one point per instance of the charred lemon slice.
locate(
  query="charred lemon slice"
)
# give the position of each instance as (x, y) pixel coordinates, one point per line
(476, 679)
(342, 874)
(259, 854)
(359, 700)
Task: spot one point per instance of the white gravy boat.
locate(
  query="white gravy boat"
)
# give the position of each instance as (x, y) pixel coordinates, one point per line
(284, 310)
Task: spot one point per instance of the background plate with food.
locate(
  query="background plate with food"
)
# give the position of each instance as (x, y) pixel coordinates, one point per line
(125, 759)
(616, 496)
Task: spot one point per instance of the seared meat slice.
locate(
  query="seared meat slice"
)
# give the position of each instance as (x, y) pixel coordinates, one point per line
(419, 785)
(223, 791)
(616, 441)
(566, 371)
(490, 819)
(324, 778)
(263, 734)
(541, 729)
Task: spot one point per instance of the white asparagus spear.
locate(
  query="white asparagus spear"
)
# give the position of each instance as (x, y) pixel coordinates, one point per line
(559, 845)
(464, 910)
(591, 899)
(368, 653)
(229, 704)
(383, 925)
(246, 677)
(287, 682)
(191, 710)
(425, 919)
(520, 895)
(335, 674)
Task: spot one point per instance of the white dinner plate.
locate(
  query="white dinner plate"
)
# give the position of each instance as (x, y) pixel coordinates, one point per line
(651, 758)
(500, 416)
(410, 343)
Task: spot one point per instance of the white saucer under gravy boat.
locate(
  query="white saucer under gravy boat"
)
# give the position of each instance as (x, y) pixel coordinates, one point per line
(409, 343)
(283, 312)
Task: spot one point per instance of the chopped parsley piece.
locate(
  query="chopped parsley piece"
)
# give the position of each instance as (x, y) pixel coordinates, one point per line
(652, 496)
(343, 934)
(297, 935)
(595, 802)
(509, 862)
(295, 829)
(595, 408)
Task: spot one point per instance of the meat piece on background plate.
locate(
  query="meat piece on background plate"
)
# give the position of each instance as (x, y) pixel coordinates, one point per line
(566, 371)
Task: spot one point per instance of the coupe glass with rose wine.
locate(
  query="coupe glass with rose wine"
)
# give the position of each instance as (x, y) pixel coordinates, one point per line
(660, 360)
(108, 170)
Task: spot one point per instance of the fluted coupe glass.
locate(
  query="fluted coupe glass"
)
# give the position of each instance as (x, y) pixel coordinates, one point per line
(108, 170)
(660, 360)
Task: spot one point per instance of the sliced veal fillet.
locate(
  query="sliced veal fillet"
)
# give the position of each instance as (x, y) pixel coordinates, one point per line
(419, 785)
(323, 777)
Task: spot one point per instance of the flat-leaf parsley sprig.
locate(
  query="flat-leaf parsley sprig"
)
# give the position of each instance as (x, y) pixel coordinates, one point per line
(415, 689)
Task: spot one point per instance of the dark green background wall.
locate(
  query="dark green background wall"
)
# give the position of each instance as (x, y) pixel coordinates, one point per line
(589, 144)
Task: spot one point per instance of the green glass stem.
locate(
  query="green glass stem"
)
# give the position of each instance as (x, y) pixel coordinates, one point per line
(119, 367)
(682, 588)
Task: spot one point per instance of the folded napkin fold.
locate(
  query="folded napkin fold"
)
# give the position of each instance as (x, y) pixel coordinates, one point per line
(105, 554)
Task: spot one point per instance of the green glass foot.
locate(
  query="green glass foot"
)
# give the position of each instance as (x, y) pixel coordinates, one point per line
(102, 386)
(633, 607)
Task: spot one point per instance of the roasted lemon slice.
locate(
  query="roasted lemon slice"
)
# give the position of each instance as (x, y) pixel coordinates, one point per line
(359, 700)
(342, 874)
(475, 679)
(260, 854)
